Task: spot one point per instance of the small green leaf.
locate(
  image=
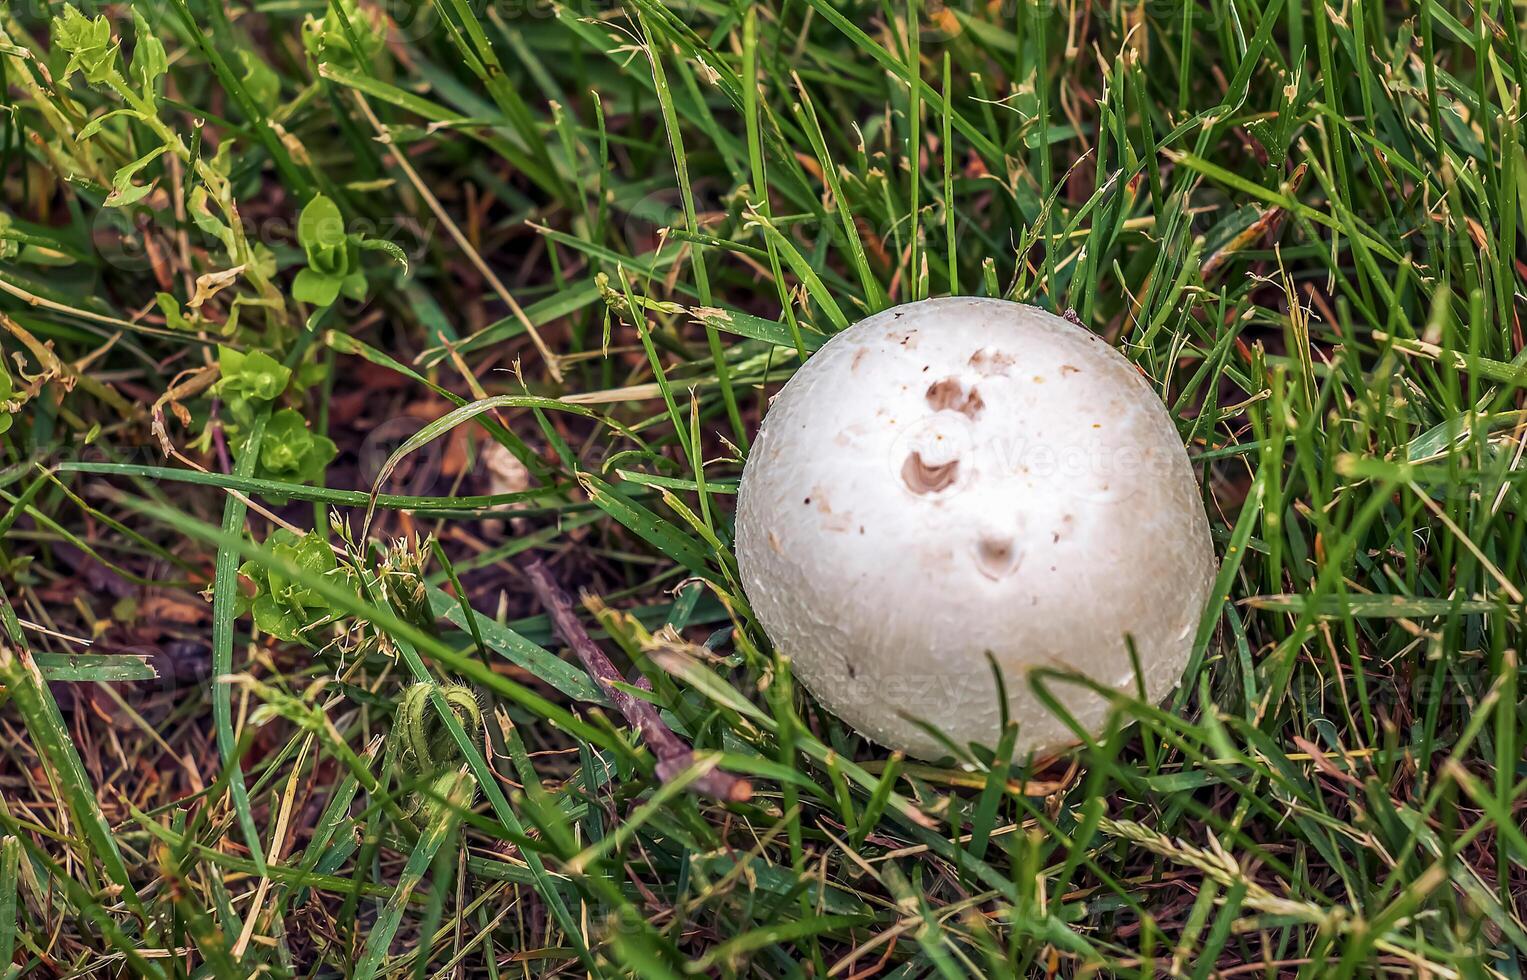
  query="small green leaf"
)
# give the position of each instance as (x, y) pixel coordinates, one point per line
(131, 194)
(276, 619)
(263, 84)
(94, 126)
(354, 286)
(208, 222)
(330, 260)
(320, 224)
(169, 306)
(315, 288)
(74, 668)
(149, 60)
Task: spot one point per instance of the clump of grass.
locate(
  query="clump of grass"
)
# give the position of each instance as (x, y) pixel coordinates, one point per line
(282, 284)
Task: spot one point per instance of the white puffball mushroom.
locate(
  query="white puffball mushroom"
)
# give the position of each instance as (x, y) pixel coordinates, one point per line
(957, 477)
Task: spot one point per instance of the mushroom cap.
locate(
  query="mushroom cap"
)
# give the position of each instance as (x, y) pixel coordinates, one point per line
(957, 478)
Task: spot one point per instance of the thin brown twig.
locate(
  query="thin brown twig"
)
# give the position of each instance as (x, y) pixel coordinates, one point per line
(674, 755)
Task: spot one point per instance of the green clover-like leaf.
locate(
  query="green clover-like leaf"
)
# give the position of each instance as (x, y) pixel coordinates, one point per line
(254, 374)
(291, 451)
(277, 620)
(284, 605)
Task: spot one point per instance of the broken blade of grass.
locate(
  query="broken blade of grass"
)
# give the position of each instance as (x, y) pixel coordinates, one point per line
(74, 668)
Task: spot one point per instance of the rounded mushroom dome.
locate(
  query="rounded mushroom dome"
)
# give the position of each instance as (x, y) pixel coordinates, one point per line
(960, 479)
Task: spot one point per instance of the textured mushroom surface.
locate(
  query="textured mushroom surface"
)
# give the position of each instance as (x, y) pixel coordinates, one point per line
(958, 477)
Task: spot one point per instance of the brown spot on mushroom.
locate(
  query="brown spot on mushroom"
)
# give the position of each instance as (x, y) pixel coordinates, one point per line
(1066, 369)
(831, 520)
(779, 549)
(923, 478)
(989, 361)
(996, 557)
(949, 395)
(858, 356)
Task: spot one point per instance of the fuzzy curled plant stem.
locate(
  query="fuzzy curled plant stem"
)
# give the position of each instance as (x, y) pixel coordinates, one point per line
(425, 749)
(674, 755)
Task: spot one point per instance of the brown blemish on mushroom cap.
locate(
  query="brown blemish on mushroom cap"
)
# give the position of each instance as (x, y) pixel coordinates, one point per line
(996, 556)
(950, 395)
(989, 361)
(922, 478)
(832, 520)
